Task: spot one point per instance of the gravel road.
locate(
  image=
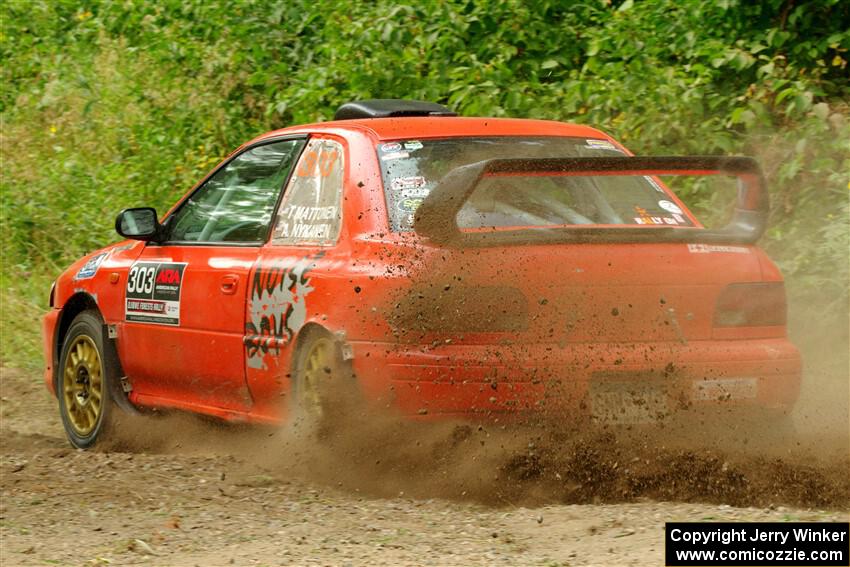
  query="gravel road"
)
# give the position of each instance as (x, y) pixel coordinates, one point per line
(189, 498)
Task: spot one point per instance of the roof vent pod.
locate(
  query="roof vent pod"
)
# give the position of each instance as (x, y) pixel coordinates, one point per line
(389, 107)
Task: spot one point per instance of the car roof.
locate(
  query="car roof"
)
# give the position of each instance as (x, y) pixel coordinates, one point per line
(410, 128)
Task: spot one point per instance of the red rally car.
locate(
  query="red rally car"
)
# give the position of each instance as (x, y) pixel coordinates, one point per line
(439, 265)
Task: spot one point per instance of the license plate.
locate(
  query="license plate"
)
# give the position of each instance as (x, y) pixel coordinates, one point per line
(722, 389)
(627, 402)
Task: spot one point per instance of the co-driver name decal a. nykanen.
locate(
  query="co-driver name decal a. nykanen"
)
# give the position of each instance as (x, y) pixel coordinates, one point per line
(153, 292)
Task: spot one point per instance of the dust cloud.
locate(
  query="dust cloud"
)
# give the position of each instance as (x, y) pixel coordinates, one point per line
(374, 453)
(546, 459)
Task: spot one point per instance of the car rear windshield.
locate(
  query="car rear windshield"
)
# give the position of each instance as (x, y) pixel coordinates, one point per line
(412, 168)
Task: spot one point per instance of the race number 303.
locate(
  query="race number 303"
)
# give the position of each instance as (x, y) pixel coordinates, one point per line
(141, 278)
(153, 292)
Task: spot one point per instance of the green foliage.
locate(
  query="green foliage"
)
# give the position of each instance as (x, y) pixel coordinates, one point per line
(114, 103)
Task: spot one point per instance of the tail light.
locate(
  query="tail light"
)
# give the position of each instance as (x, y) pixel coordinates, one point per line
(751, 305)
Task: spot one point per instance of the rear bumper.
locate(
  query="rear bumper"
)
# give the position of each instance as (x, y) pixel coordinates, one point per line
(474, 379)
(48, 335)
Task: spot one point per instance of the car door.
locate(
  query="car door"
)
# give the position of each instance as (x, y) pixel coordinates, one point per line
(185, 297)
(289, 284)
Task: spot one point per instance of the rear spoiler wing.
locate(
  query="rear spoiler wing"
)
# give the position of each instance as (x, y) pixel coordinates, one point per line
(436, 217)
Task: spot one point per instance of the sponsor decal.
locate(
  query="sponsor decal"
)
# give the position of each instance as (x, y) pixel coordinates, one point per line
(654, 183)
(656, 220)
(144, 306)
(709, 248)
(670, 206)
(413, 145)
(400, 183)
(409, 205)
(90, 268)
(277, 306)
(395, 155)
(153, 292)
(643, 216)
(421, 192)
(391, 147)
(600, 145)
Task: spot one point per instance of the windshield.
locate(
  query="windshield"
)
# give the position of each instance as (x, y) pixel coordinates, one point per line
(412, 168)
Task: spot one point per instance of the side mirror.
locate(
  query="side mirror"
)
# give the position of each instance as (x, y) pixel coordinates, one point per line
(138, 223)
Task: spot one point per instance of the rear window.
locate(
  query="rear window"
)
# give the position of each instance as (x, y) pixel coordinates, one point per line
(412, 168)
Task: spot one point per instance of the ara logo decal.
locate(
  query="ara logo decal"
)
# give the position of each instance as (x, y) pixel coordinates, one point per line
(169, 276)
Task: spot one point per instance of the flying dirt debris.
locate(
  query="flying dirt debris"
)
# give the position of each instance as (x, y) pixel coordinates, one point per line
(383, 491)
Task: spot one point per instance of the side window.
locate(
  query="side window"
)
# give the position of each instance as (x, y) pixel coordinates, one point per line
(310, 212)
(237, 202)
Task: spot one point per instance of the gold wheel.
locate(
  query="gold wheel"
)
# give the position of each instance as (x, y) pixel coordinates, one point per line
(82, 385)
(319, 366)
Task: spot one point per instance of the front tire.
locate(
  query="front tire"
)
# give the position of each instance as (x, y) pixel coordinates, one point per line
(87, 384)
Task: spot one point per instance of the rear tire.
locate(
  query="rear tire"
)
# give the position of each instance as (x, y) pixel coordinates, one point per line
(323, 387)
(88, 383)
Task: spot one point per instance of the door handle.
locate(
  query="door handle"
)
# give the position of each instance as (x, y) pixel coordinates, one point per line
(229, 284)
